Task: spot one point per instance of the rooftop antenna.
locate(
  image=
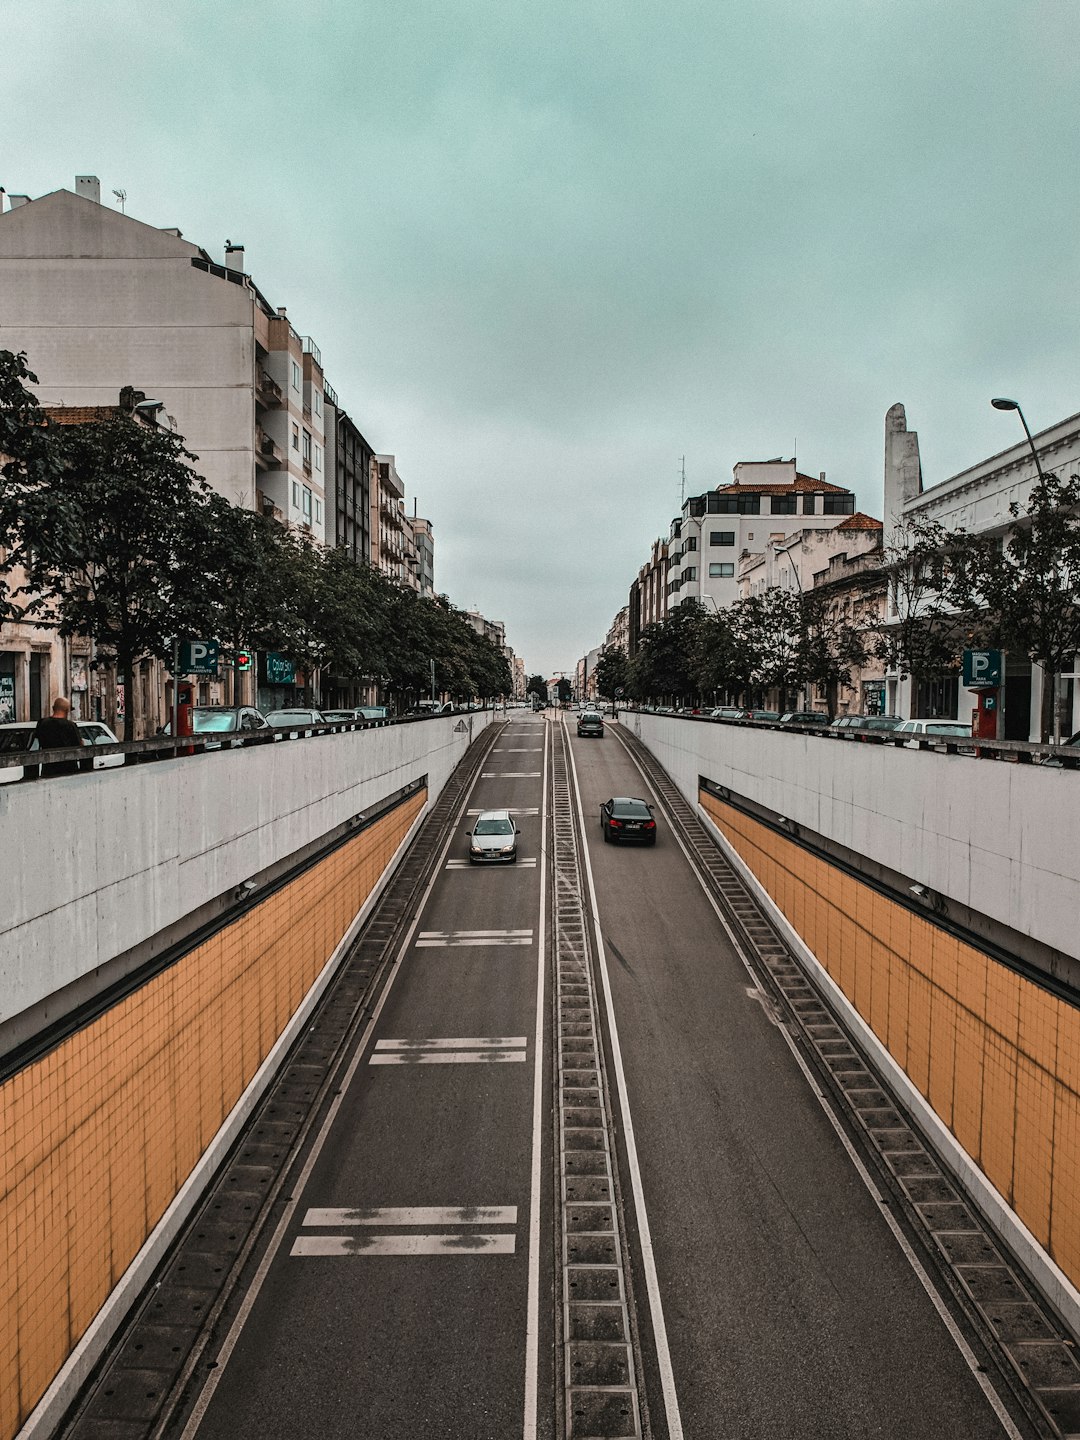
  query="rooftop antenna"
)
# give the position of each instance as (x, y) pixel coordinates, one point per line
(121, 195)
(682, 487)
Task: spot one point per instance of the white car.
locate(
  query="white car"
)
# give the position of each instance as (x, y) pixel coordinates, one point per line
(17, 735)
(493, 839)
(916, 731)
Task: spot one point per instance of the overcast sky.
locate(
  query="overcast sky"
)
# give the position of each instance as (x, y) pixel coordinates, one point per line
(549, 249)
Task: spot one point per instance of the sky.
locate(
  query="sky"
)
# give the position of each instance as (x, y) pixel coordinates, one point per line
(547, 251)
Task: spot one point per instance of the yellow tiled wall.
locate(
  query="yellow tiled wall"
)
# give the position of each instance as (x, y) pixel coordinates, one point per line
(100, 1134)
(997, 1056)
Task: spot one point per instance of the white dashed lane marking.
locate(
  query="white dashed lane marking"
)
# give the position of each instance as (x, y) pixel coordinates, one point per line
(490, 1050)
(429, 938)
(359, 1241)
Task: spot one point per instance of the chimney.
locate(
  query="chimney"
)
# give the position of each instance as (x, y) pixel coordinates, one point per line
(281, 312)
(14, 201)
(234, 257)
(89, 187)
(821, 475)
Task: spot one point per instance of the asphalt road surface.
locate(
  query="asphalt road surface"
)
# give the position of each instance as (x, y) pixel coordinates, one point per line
(412, 1294)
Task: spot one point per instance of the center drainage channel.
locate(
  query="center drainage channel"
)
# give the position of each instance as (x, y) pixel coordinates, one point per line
(598, 1354)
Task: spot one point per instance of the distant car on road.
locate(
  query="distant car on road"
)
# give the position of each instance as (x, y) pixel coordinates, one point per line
(373, 712)
(17, 735)
(731, 712)
(625, 818)
(338, 717)
(493, 839)
(867, 722)
(591, 722)
(804, 717)
(773, 715)
(224, 720)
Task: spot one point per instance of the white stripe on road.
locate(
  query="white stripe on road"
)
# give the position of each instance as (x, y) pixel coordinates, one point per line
(510, 775)
(533, 810)
(414, 1215)
(493, 1042)
(520, 864)
(474, 1243)
(468, 940)
(449, 1057)
(470, 934)
(518, 750)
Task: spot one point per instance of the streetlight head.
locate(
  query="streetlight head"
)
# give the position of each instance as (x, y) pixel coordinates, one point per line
(1000, 404)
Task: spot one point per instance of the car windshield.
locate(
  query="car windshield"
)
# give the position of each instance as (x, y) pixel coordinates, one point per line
(948, 730)
(204, 721)
(494, 827)
(98, 735)
(12, 741)
(290, 717)
(630, 810)
(880, 722)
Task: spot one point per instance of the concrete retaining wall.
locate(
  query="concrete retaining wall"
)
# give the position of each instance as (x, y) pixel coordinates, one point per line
(1003, 840)
(97, 864)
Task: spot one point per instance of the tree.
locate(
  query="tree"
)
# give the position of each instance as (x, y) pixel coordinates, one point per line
(919, 636)
(664, 666)
(1028, 582)
(610, 672)
(537, 685)
(771, 629)
(30, 465)
(564, 689)
(831, 646)
(104, 541)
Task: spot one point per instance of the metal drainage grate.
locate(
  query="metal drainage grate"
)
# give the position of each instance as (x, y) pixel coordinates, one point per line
(598, 1355)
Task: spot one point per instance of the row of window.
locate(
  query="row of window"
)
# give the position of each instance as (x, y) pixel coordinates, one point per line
(714, 504)
(303, 500)
(316, 398)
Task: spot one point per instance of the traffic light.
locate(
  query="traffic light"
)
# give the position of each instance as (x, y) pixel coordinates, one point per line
(243, 659)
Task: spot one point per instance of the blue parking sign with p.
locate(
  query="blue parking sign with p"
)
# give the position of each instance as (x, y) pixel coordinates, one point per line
(199, 657)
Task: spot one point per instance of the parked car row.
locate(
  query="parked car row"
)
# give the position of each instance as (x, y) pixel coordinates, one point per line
(17, 736)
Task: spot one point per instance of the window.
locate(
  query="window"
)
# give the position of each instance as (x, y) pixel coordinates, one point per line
(690, 573)
(722, 537)
(690, 543)
(721, 571)
(307, 503)
(737, 504)
(783, 504)
(295, 376)
(838, 505)
(307, 448)
(318, 511)
(318, 402)
(295, 436)
(296, 494)
(808, 506)
(318, 457)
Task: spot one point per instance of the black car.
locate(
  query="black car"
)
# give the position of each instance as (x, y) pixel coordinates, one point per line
(624, 818)
(804, 717)
(591, 722)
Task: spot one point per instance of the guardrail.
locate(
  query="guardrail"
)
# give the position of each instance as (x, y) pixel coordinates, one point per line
(164, 747)
(1019, 752)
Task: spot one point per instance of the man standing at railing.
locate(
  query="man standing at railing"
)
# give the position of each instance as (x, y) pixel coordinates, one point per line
(59, 732)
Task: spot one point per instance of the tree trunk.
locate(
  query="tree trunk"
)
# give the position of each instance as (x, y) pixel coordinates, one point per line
(125, 675)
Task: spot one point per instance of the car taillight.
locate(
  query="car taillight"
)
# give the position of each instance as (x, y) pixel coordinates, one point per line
(614, 824)
(650, 824)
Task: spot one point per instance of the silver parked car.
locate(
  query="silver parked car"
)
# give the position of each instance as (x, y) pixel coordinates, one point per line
(493, 839)
(300, 719)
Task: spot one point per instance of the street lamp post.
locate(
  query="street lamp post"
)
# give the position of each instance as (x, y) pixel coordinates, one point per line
(1002, 404)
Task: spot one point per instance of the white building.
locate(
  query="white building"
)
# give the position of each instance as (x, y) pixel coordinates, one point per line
(100, 300)
(791, 562)
(768, 501)
(977, 499)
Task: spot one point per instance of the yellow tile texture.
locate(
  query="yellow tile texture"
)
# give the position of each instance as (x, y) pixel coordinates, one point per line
(100, 1134)
(996, 1055)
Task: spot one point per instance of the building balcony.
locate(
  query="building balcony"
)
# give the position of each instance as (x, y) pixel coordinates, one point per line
(266, 506)
(267, 391)
(268, 453)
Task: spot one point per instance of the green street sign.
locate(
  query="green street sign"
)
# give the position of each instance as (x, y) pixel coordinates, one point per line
(199, 657)
(279, 670)
(982, 668)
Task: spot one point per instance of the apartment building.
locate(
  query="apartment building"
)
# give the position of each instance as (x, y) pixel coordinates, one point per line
(99, 300)
(618, 634)
(767, 501)
(349, 460)
(422, 539)
(791, 562)
(391, 548)
(977, 499)
(648, 596)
